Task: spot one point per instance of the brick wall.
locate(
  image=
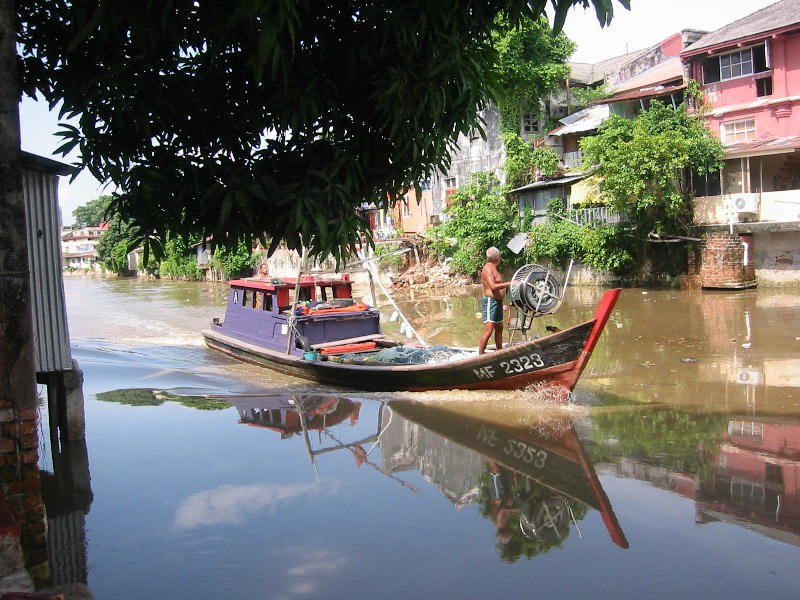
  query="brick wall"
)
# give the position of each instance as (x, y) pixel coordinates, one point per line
(721, 261)
(20, 482)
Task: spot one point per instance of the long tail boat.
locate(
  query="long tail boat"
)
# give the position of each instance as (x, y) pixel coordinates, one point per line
(543, 446)
(263, 325)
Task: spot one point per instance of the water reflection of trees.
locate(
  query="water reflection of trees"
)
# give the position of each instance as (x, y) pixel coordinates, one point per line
(146, 397)
(679, 441)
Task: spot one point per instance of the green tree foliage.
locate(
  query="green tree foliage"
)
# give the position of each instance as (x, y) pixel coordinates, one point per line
(559, 239)
(531, 61)
(679, 441)
(525, 164)
(179, 261)
(479, 216)
(112, 247)
(92, 213)
(585, 96)
(264, 117)
(645, 165)
(145, 397)
(235, 262)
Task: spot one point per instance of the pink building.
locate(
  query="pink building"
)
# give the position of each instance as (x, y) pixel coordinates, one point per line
(750, 72)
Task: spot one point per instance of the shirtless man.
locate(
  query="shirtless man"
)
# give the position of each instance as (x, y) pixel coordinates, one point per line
(492, 302)
(263, 271)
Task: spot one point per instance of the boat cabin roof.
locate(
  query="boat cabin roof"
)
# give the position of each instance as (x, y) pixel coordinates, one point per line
(275, 284)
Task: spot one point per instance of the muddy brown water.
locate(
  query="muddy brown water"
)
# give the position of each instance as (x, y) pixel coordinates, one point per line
(674, 471)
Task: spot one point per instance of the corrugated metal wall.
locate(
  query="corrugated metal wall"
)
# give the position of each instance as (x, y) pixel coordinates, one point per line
(47, 286)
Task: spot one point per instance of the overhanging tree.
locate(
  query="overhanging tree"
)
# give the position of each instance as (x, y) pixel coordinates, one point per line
(645, 165)
(264, 117)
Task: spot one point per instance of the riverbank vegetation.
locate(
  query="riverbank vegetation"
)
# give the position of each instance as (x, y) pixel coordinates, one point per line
(643, 167)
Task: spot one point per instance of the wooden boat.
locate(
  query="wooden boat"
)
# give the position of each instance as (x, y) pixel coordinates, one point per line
(542, 446)
(263, 326)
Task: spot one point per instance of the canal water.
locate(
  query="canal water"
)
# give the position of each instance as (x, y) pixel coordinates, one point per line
(674, 472)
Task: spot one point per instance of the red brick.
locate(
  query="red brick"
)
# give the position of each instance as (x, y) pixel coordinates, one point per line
(28, 427)
(29, 441)
(29, 457)
(21, 487)
(7, 446)
(30, 414)
(10, 430)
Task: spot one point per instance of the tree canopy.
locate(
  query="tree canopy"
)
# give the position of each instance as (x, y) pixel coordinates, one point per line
(531, 61)
(645, 163)
(92, 213)
(264, 118)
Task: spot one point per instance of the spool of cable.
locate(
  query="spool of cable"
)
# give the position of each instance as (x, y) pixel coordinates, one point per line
(534, 289)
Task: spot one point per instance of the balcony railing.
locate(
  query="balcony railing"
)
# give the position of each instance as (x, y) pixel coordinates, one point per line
(598, 215)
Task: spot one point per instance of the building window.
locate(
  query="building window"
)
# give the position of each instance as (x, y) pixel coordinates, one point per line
(738, 131)
(405, 211)
(736, 64)
(530, 123)
(706, 185)
(764, 86)
(746, 429)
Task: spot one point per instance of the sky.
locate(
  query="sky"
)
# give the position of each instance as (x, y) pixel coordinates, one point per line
(646, 24)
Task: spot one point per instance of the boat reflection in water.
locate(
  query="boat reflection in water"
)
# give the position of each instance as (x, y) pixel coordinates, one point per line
(525, 467)
(537, 477)
(300, 414)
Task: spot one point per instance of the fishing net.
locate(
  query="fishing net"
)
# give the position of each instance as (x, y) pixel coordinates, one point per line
(407, 355)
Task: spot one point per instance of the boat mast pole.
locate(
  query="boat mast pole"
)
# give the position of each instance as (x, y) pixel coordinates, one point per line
(372, 289)
(369, 264)
(397, 308)
(292, 314)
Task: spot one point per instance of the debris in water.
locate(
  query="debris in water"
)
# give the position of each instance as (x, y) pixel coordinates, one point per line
(688, 360)
(747, 345)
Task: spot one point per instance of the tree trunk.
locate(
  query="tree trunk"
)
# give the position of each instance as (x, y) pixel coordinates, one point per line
(17, 376)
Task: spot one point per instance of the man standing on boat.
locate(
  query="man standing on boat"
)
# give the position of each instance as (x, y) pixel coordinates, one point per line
(263, 272)
(494, 289)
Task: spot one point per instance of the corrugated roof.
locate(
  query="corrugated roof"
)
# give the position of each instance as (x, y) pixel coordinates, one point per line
(583, 120)
(763, 146)
(549, 183)
(647, 92)
(775, 16)
(664, 72)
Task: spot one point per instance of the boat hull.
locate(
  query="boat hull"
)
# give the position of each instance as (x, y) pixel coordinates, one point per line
(549, 359)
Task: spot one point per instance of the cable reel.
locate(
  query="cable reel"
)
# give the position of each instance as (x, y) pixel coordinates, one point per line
(534, 292)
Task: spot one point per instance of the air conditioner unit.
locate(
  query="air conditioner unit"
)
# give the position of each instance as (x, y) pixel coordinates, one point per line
(744, 203)
(748, 376)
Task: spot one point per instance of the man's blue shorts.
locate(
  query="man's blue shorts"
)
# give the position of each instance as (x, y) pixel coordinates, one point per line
(491, 310)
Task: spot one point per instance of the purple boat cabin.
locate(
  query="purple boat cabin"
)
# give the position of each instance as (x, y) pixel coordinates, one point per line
(259, 313)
